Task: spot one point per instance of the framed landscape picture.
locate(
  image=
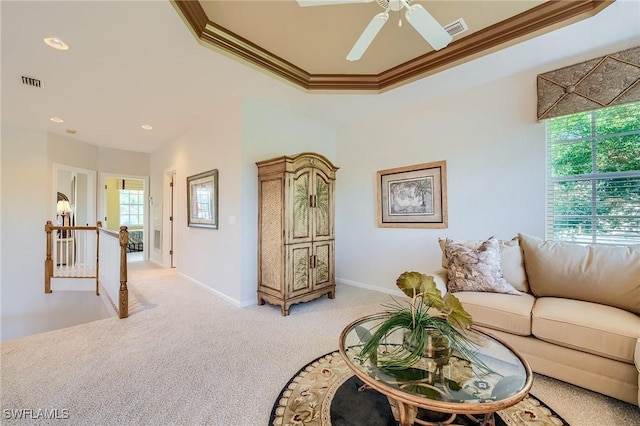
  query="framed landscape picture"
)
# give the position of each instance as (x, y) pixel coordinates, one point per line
(202, 200)
(413, 196)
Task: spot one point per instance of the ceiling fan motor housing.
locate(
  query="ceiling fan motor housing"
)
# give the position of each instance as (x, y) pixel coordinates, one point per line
(394, 5)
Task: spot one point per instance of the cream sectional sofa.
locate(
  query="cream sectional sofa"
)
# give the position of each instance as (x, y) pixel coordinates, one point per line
(577, 317)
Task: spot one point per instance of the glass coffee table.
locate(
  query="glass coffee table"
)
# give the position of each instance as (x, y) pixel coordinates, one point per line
(433, 394)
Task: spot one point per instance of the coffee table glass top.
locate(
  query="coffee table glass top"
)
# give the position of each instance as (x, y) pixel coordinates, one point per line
(504, 379)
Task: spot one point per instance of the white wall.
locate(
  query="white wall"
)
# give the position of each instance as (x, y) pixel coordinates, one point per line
(494, 151)
(270, 131)
(27, 191)
(479, 117)
(211, 257)
(238, 134)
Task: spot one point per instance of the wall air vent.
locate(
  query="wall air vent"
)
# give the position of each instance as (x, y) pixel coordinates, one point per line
(456, 27)
(30, 81)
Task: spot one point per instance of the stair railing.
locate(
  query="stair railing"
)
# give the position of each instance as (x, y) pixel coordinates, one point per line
(74, 252)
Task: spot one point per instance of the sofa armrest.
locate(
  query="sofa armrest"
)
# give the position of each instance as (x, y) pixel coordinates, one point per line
(440, 277)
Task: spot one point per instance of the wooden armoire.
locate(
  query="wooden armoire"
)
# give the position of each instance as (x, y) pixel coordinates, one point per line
(295, 229)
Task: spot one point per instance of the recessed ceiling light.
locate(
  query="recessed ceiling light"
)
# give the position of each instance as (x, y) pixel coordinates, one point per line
(147, 127)
(56, 43)
(71, 131)
(57, 120)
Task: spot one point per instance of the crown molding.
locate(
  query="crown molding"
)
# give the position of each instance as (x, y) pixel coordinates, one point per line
(527, 24)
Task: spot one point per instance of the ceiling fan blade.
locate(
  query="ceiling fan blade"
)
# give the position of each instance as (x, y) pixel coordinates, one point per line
(427, 26)
(305, 3)
(367, 36)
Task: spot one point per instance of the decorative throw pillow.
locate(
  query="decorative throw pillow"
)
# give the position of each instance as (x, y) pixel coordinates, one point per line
(476, 269)
(511, 260)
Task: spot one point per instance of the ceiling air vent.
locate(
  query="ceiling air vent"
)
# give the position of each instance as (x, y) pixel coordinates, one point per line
(30, 81)
(456, 27)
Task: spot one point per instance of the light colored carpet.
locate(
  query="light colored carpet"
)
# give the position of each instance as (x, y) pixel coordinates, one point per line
(186, 356)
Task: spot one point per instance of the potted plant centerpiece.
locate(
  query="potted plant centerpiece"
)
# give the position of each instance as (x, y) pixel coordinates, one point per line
(432, 326)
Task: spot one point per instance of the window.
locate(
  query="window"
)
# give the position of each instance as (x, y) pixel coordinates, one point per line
(131, 207)
(593, 176)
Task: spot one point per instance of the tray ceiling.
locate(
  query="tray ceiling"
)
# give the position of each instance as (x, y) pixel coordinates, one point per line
(307, 46)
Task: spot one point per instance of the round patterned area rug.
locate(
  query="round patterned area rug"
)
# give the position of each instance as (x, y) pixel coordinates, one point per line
(325, 393)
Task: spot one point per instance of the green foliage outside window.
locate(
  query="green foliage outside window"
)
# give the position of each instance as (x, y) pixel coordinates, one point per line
(594, 176)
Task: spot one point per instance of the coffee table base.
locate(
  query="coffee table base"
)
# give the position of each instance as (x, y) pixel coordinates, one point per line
(407, 414)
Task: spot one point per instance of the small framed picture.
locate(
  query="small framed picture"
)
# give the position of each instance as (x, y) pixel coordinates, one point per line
(413, 196)
(202, 200)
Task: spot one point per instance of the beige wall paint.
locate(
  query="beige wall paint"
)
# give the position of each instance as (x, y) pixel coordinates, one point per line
(113, 202)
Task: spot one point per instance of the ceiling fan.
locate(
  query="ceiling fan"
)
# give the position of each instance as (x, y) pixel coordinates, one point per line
(415, 14)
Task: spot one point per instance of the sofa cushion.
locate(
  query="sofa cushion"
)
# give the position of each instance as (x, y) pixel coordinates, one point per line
(476, 269)
(585, 326)
(510, 260)
(503, 312)
(609, 275)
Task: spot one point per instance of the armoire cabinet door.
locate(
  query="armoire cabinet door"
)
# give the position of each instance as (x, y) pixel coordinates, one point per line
(322, 208)
(299, 269)
(300, 212)
(322, 264)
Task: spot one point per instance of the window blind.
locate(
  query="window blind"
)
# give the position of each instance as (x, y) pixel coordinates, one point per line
(593, 176)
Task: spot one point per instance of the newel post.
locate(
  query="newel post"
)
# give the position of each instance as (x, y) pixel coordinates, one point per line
(48, 263)
(123, 311)
(98, 227)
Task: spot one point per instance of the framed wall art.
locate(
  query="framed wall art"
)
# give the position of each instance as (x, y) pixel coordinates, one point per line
(202, 200)
(413, 196)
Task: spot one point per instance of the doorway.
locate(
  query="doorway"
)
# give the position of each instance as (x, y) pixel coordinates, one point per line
(124, 203)
(74, 204)
(169, 225)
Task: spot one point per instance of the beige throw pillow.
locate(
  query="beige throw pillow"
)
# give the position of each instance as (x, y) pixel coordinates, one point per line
(478, 269)
(609, 275)
(511, 260)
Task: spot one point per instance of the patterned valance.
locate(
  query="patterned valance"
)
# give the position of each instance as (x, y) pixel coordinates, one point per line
(610, 80)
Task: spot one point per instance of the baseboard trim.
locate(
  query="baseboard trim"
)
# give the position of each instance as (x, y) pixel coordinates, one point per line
(231, 300)
(244, 304)
(393, 292)
(156, 262)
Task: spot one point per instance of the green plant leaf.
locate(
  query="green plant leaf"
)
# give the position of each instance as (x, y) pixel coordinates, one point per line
(414, 283)
(410, 283)
(431, 293)
(456, 315)
(365, 336)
